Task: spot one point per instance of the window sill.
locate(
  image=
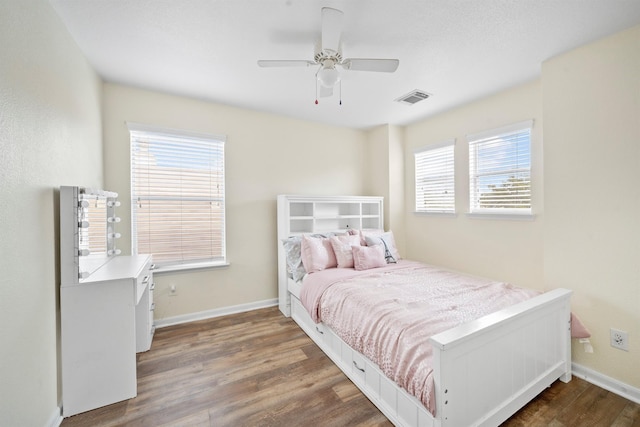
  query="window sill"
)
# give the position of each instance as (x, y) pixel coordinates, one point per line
(190, 267)
(501, 216)
(440, 214)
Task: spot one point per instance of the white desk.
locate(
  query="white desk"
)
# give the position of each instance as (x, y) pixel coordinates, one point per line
(105, 319)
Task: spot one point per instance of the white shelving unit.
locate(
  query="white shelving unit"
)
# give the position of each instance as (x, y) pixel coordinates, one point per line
(330, 214)
(106, 304)
(318, 214)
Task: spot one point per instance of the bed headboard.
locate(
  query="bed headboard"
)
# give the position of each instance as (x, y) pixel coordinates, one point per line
(320, 214)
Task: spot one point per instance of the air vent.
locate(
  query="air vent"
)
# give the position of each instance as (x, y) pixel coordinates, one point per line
(413, 97)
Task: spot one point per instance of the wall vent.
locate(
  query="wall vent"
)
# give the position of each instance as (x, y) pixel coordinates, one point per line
(413, 97)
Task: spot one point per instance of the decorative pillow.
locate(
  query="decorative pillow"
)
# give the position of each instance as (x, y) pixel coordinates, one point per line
(317, 254)
(292, 248)
(578, 330)
(366, 257)
(387, 241)
(342, 248)
(370, 232)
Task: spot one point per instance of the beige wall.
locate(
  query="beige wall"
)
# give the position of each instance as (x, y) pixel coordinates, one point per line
(508, 250)
(592, 193)
(396, 199)
(384, 175)
(50, 135)
(266, 155)
(377, 166)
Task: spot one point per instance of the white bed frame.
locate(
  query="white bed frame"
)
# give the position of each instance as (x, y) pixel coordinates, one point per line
(484, 371)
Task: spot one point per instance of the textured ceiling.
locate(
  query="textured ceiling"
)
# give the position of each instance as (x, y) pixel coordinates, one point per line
(456, 50)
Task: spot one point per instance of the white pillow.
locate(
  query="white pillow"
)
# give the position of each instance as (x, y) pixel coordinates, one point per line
(387, 241)
(292, 247)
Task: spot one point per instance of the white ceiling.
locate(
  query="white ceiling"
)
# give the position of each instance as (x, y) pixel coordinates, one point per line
(457, 50)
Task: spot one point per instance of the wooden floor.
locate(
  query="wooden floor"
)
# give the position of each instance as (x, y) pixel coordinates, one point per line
(260, 369)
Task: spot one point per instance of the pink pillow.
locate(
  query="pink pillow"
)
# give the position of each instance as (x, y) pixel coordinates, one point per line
(317, 254)
(578, 330)
(366, 257)
(342, 248)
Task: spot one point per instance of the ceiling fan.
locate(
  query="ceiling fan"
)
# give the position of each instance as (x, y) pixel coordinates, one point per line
(330, 56)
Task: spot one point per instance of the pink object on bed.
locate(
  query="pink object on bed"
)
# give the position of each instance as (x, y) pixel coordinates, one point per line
(368, 257)
(342, 248)
(317, 254)
(389, 313)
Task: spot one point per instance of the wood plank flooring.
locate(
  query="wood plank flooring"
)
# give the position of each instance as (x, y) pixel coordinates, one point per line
(260, 369)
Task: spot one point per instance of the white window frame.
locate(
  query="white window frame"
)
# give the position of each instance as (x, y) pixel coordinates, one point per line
(435, 169)
(516, 167)
(188, 248)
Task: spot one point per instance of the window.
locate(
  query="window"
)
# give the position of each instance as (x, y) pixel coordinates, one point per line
(435, 179)
(500, 170)
(177, 197)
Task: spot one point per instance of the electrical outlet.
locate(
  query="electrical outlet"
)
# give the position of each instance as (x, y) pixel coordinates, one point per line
(619, 339)
(173, 291)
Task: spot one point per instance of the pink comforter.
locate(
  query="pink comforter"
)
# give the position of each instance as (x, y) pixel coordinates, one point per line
(389, 313)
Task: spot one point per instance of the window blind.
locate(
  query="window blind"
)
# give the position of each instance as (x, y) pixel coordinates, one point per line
(435, 179)
(500, 170)
(177, 196)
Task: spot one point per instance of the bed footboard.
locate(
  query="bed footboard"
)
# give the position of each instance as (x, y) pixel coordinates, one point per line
(488, 369)
(484, 371)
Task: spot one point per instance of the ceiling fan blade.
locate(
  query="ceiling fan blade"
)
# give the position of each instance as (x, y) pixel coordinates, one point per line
(366, 64)
(332, 22)
(325, 91)
(267, 63)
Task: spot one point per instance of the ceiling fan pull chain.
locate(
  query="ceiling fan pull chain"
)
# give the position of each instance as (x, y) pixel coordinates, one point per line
(340, 92)
(316, 79)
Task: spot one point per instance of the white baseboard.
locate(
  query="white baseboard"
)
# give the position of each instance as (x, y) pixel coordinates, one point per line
(217, 312)
(55, 419)
(607, 383)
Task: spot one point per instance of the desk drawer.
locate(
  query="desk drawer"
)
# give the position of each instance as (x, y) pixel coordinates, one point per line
(144, 279)
(144, 308)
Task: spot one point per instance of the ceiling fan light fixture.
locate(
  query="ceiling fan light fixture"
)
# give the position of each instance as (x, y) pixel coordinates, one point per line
(328, 56)
(328, 76)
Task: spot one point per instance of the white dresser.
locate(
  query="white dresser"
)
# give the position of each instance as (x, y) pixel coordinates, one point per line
(106, 309)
